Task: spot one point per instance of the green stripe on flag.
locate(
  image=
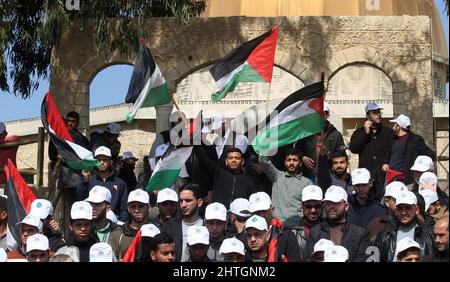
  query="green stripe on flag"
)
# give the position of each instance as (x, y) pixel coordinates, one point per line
(157, 96)
(270, 139)
(247, 74)
(162, 179)
(86, 164)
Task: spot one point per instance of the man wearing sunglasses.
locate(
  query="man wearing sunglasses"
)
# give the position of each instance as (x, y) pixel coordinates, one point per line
(373, 142)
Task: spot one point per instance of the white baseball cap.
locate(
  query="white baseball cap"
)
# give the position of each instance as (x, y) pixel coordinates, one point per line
(335, 194)
(167, 194)
(70, 251)
(240, 207)
(81, 210)
(101, 252)
(241, 142)
(429, 196)
(326, 108)
(216, 211)
(404, 244)
(2, 127)
(99, 194)
(197, 235)
(3, 256)
(232, 245)
(255, 221)
(41, 208)
(322, 245)
(312, 192)
(402, 120)
(113, 128)
(428, 177)
(111, 216)
(37, 242)
(393, 188)
(128, 155)
(140, 196)
(149, 230)
(102, 150)
(406, 197)
(335, 254)
(259, 201)
(423, 164)
(32, 220)
(161, 149)
(360, 176)
(372, 106)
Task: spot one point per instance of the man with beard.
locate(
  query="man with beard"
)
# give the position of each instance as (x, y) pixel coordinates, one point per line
(100, 200)
(363, 209)
(312, 215)
(373, 143)
(406, 148)
(257, 239)
(81, 233)
(407, 227)
(177, 227)
(167, 201)
(287, 185)
(337, 228)
(139, 208)
(127, 167)
(338, 175)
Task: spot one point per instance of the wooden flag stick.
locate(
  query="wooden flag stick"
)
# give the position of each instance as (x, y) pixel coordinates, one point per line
(178, 109)
(267, 99)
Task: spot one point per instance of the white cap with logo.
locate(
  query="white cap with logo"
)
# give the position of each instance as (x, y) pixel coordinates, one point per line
(260, 201)
(70, 251)
(360, 176)
(37, 242)
(216, 211)
(393, 188)
(197, 235)
(312, 192)
(99, 194)
(404, 244)
(429, 196)
(81, 210)
(255, 221)
(335, 254)
(101, 252)
(240, 207)
(149, 230)
(161, 149)
(429, 178)
(140, 196)
(32, 220)
(406, 198)
(423, 164)
(402, 120)
(41, 208)
(102, 150)
(335, 194)
(232, 245)
(167, 194)
(322, 245)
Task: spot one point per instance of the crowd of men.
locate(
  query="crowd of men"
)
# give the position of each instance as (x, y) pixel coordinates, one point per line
(229, 204)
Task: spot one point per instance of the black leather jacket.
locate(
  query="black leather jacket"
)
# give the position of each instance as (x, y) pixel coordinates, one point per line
(386, 242)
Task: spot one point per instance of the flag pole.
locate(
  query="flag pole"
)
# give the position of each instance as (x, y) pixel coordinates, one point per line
(178, 108)
(267, 98)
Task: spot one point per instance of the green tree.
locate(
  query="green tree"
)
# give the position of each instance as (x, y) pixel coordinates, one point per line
(29, 30)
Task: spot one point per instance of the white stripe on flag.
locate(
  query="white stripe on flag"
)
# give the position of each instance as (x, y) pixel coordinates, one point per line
(223, 81)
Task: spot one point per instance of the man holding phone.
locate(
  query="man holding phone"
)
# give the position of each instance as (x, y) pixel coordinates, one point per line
(373, 143)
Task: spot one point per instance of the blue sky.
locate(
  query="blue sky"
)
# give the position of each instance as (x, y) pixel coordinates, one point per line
(108, 88)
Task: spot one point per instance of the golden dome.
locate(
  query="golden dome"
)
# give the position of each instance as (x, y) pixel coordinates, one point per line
(274, 8)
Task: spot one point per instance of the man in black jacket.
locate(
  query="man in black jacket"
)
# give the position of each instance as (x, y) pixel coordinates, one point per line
(338, 175)
(230, 183)
(373, 143)
(407, 227)
(177, 227)
(338, 229)
(406, 148)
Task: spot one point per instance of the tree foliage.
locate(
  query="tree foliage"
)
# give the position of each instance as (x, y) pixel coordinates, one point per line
(29, 30)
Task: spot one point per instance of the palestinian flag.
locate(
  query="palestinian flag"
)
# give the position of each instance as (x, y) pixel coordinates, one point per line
(297, 116)
(130, 254)
(147, 87)
(76, 156)
(19, 199)
(168, 169)
(251, 62)
(393, 175)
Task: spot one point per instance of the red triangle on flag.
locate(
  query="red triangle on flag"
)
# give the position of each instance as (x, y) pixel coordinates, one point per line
(317, 105)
